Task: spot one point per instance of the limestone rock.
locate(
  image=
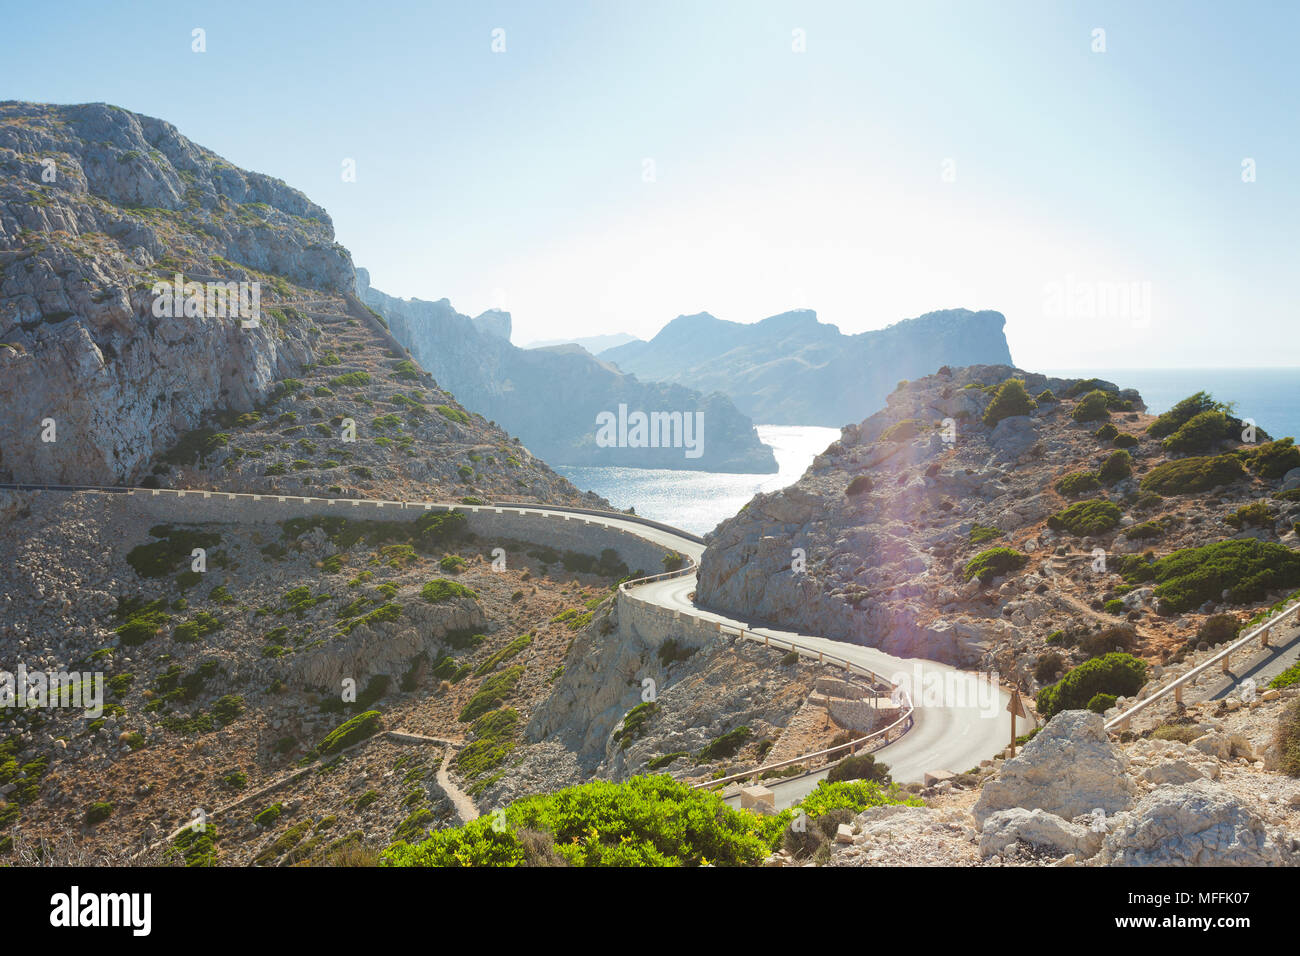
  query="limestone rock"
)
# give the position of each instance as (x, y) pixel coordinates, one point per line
(1070, 768)
(1038, 828)
(1195, 824)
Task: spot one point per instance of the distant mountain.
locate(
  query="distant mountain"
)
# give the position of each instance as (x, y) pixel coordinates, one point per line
(791, 369)
(567, 406)
(595, 344)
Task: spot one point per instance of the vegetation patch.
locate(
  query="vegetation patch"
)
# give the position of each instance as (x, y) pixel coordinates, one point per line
(1116, 673)
(1190, 475)
(1246, 569)
(1095, 516)
(492, 693)
(1010, 399)
(994, 562)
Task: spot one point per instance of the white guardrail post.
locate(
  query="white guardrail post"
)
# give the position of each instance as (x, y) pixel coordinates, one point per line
(1123, 721)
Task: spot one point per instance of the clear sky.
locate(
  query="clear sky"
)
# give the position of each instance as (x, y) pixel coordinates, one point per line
(916, 156)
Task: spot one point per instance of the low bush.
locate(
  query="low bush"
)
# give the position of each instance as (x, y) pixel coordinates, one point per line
(1116, 468)
(491, 693)
(1085, 518)
(1190, 475)
(1183, 412)
(1257, 513)
(1272, 459)
(1218, 629)
(994, 562)
(1078, 483)
(1116, 673)
(1125, 440)
(860, 485)
(1199, 433)
(1245, 569)
(859, 767)
(1092, 407)
(1010, 399)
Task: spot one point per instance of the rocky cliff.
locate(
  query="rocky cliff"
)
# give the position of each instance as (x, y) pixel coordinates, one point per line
(886, 539)
(551, 397)
(96, 205)
(791, 369)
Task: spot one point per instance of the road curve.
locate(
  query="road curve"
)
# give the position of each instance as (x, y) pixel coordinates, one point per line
(959, 718)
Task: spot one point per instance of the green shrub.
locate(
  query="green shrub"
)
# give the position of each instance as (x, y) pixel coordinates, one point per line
(1117, 467)
(1246, 569)
(510, 650)
(904, 430)
(441, 590)
(1189, 475)
(1100, 703)
(1085, 518)
(351, 731)
(1010, 399)
(724, 746)
(1199, 433)
(1125, 440)
(994, 562)
(1078, 483)
(634, 723)
(981, 534)
(1218, 629)
(1092, 407)
(1114, 606)
(1045, 397)
(197, 848)
(1106, 432)
(860, 485)
(1272, 459)
(1288, 677)
(1120, 674)
(350, 380)
(859, 767)
(161, 558)
(493, 691)
(269, 816)
(1256, 513)
(98, 812)
(493, 741)
(643, 821)
(658, 763)
(1183, 412)
(452, 414)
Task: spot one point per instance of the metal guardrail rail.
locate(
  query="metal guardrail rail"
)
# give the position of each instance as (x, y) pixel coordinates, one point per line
(902, 724)
(1123, 720)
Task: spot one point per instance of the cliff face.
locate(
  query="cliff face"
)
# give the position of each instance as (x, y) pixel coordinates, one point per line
(889, 518)
(791, 369)
(97, 204)
(551, 397)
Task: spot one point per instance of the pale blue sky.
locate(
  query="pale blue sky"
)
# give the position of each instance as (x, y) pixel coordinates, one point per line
(782, 179)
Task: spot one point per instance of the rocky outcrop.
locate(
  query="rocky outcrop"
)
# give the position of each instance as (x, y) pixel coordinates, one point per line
(96, 205)
(1039, 829)
(1195, 824)
(1069, 769)
(791, 369)
(551, 397)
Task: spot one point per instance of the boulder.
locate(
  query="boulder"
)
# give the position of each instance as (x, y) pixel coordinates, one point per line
(1195, 824)
(1070, 768)
(1040, 829)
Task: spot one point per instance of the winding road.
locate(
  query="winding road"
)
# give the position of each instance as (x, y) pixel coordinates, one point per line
(960, 721)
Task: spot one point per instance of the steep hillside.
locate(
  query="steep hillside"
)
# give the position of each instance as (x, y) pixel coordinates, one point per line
(1026, 545)
(551, 397)
(97, 205)
(791, 369)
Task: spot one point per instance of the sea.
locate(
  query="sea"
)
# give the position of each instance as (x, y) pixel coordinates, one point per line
(699, 500)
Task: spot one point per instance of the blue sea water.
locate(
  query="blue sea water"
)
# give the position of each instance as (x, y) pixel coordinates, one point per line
(698, 500)
(1269, 396)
